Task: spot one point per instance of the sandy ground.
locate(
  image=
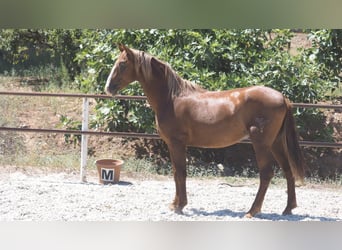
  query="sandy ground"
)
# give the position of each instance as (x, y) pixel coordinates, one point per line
(62, 197)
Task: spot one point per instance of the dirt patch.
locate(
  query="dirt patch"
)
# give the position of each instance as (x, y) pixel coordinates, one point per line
(61, 197)
(46, 112)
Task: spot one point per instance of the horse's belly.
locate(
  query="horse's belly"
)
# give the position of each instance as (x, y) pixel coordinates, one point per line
(215, 137)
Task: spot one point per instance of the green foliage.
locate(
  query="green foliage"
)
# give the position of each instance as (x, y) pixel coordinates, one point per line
(21, 49)
(214, 58)
(68, 123)
(327, 54)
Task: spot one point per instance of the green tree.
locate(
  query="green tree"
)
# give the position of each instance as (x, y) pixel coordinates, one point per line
(327, 53)
(24, 48)
(216, 59)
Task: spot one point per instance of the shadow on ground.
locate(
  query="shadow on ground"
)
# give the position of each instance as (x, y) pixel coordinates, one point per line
(262, 216)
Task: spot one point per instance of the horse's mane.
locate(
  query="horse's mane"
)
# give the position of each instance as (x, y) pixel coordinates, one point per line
(177, 86)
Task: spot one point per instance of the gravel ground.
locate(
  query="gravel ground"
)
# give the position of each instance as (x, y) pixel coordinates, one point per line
(61, 197)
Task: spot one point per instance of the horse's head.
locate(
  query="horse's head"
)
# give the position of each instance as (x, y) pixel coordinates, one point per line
(123, 71)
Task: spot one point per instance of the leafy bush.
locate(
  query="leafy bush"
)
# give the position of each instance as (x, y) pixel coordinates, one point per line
(22, 49)
(216, 59)
(327, 53)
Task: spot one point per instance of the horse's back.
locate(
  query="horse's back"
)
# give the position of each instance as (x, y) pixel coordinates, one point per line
(206, 117)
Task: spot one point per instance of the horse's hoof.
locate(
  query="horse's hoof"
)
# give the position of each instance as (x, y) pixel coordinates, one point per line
(251, 213)
(175, 209)
(172, 207)
(179, 211)
(248, 216)
(287, 212)
(288, 209)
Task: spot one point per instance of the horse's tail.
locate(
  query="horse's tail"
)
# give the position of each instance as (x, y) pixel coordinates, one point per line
(291, 145)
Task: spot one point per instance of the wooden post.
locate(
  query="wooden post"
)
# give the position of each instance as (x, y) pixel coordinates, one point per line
(84, 142)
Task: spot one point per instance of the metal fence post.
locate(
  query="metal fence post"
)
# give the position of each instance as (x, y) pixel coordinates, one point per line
(84, 142)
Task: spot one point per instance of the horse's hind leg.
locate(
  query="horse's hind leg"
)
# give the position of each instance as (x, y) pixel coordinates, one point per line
(280, 156)
(265, 160)
(263, 133)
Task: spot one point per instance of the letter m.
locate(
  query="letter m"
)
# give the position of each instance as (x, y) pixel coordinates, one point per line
(107, 174)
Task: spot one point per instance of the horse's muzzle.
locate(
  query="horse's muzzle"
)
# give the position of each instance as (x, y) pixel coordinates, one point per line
(112, 89)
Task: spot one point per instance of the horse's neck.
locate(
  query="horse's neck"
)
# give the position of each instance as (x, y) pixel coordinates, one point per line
(157, 94)
(160, 93)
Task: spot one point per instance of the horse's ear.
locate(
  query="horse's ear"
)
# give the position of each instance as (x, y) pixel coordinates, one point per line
(121, 47)
(157, 67)
(129, 53)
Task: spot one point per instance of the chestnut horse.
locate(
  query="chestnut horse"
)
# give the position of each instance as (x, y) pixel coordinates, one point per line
(188, 115)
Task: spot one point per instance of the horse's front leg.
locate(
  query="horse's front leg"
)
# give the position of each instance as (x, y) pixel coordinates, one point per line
(178, 161)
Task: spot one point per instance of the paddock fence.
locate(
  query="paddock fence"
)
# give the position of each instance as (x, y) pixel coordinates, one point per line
(85, 132)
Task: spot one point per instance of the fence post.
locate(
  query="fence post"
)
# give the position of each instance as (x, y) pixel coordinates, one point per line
(84, 142)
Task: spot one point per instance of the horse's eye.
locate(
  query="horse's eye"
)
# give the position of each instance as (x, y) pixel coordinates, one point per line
(122, 66)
